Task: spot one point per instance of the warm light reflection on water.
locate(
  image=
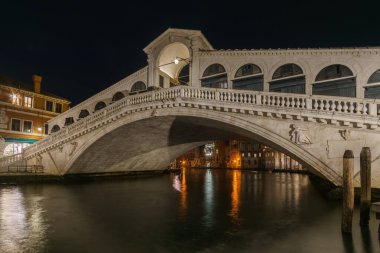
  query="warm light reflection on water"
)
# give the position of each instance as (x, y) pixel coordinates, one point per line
(235, 195)
(208, 199)
(22, 225)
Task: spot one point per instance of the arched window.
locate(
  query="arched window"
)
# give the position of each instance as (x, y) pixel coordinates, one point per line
(183, 76)
(288, 78)
(69, 121)
(55, 128)
(373, 88)
(138, 86)
(83, 114)
(248, 77)
(214, 76)
(335, 80)
(100, 105)
(117, 96)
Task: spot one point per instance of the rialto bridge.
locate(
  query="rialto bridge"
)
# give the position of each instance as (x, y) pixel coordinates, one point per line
(311, 104)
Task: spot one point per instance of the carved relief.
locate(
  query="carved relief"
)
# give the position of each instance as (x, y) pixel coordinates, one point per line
(74, 146)
(3, 119)
(154, 113)
(346, 133)
(299, 135)
(60, 148)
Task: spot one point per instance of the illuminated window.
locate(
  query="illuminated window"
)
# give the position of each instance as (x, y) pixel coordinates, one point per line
(58, 107)
(49, 106)
(28, 102)
(27, 126)
(16, 99)
(249, 154)
(16, 125)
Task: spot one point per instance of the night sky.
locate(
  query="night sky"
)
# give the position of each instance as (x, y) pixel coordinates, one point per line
(82, 47)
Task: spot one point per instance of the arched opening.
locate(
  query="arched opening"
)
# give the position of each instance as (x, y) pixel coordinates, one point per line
(117, 96)
(170, 136)
(100, 105)
(184, 75)
(69, 121)
(372, 89)
(288, 78)
(248, 77)
(335, 80)
(138, 86)
(171, 62)
(55, 128)
(215, 76)
(83, 114)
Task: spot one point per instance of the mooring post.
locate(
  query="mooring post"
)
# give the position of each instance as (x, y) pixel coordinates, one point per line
(365, 185)
(348, 191)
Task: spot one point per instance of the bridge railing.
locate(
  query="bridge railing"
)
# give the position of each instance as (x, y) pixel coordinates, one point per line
(345, 106)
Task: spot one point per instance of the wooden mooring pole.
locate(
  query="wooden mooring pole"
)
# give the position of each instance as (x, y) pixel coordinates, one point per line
(348, 191)
(365, 185)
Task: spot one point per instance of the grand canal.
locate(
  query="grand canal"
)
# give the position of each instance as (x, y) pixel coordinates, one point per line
(193, 211)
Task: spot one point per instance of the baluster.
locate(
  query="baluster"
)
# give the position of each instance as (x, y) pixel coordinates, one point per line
(345, 107)
(365, 109)
(351, 108)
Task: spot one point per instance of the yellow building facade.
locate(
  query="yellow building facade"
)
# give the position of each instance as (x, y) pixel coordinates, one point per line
(24, 112)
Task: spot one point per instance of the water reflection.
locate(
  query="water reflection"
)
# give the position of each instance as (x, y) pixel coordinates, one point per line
(22, 225)
(235, 195)
(208, 199)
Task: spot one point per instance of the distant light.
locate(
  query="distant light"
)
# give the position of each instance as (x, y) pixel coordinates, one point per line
(176, 61)
(39, 129)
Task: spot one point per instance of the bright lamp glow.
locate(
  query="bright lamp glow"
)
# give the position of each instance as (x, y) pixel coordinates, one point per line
(176, 61)
(39, 129)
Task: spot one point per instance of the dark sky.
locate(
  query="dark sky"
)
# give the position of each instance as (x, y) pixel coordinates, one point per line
(82, 47)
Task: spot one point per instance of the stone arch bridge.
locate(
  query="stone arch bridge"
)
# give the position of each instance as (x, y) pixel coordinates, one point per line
(146, 131)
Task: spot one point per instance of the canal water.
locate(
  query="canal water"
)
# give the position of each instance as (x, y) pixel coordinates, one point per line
(193, 211)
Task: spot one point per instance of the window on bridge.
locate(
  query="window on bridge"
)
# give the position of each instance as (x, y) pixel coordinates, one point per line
(69, 121)
(215, 76)
(83, 114)
(55, 128)
(288, 78)
(100, 105)
(372, 89)
(183, 76)
(335, 80)
(117, 96)
(138, 86)
(248, 77)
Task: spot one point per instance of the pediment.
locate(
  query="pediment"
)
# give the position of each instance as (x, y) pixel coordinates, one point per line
(172, 33)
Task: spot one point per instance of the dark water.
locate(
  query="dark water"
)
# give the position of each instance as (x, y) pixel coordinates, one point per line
(197, 211)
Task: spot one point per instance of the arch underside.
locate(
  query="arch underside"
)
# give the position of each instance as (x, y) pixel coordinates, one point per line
(151, 143)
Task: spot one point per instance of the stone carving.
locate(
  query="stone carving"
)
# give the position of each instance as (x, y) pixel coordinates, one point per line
(39, 159)
(154, 113)
(346, 133)
(74, 146)
(299, 135)
(60, 148)
(3, 119)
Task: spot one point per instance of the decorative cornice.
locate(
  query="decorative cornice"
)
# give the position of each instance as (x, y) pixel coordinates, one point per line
(293, 52)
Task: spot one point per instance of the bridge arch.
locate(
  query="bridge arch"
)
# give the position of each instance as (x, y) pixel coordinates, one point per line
(83, 114)
(165, 136)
